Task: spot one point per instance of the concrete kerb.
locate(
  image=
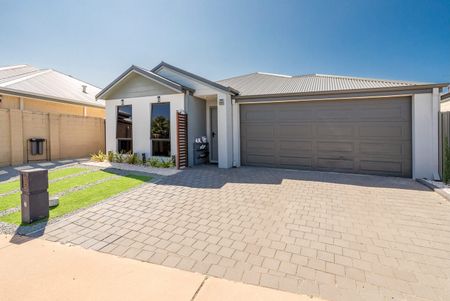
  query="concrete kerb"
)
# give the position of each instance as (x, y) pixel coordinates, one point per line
(436, 189)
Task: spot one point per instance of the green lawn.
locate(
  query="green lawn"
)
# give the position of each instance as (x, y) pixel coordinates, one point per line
(13, 200)
(83, 198)
(52, 175)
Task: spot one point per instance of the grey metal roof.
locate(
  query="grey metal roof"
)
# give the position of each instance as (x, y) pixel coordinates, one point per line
(146, 73)
(195, 76)
(260, 83)
(47, 83)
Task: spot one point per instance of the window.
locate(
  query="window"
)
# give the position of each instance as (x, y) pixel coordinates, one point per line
(124, 129)
(160, 129)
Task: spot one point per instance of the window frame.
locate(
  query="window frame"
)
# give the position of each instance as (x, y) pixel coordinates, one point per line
(118, 139)
(160, 139)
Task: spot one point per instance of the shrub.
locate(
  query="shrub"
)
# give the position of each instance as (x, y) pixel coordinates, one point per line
(118, 157)
(446, 165)
(99, 157)
(160, 163)
(133, 159)
(110, 156)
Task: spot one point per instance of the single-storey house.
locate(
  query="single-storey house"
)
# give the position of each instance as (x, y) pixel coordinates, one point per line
(46, 115)
(314, 121)
(28, 88)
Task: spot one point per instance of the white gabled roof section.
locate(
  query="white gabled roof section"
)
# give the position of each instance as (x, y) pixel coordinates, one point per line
(23, 78)
(147, 74)
(201, 85)
(12, 67)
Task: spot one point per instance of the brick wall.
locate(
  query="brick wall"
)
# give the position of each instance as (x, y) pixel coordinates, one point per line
(67, 136)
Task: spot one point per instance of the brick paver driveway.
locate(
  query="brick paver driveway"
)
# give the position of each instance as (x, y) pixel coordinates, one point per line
(343, 237)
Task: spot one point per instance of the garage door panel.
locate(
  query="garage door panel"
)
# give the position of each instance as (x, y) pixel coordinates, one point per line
(380, 166)
(381, 149)
(388, 113)
(381, 131)
(295, 162)
(260, 147)
(295, 147)
(335, 164)
(335, 130)
(261, 160)
(295, 131)
(259, 131)
(371, 136)
(333, 147)
(296, 115)
(262, 115)
(328, 114)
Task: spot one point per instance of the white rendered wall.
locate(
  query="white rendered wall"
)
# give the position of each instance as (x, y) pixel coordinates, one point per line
(141, 121)
(425, 136)
(236, 134)
(225, 130)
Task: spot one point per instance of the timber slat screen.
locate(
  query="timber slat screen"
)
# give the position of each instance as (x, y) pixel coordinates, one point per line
(182, 141)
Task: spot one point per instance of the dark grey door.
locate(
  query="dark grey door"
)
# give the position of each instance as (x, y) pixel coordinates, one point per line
(214, 146)
(370, 136)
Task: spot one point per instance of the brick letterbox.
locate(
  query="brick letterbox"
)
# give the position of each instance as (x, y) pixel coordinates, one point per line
(34, 185)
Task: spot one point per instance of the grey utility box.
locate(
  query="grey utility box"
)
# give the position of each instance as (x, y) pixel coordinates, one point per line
(34, 185)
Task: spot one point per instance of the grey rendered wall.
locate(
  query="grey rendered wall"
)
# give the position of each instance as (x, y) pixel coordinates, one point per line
(135, 85)
(196, 110)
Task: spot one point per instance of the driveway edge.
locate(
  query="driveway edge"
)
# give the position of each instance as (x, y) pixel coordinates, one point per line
(436, 189)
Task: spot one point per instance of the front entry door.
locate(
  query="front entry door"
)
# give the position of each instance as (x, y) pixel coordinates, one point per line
(214, 146)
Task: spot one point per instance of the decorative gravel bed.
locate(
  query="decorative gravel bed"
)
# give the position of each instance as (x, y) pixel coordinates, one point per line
(130, 167)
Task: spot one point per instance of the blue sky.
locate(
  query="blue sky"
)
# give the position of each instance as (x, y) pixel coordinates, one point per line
(97, 40)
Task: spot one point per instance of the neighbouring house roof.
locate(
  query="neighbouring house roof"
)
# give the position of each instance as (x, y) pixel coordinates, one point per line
(148, 74)
(196, 77)
(445, 97)
(28, 81)
(261, 83)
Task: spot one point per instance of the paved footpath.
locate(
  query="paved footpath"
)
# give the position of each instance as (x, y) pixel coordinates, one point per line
(41, 270)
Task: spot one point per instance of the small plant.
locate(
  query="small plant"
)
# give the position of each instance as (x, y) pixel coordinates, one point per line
(133, 159)
(110, 156)
(119, 157)
(153, 162)
(99, 157)
(446, 167)
(160, 163)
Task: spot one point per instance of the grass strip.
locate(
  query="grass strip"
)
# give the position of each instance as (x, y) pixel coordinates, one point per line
(52, 175)
(81, 180)
(86, 197)
(13, 200)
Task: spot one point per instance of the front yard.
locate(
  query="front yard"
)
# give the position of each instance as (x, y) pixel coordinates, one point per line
(77, 187)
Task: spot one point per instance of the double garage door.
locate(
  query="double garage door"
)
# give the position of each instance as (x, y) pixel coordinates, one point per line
(369, 136)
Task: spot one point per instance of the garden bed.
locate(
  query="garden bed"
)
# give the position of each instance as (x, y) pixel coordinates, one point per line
(132, 167)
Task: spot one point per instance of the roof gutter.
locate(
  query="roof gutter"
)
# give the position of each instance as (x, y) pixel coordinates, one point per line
(405, 90)
(13, 92)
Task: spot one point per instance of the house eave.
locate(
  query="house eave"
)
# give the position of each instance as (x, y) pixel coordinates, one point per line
(13, 92)
(196, 77)
(401, 90)
(161, 80)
